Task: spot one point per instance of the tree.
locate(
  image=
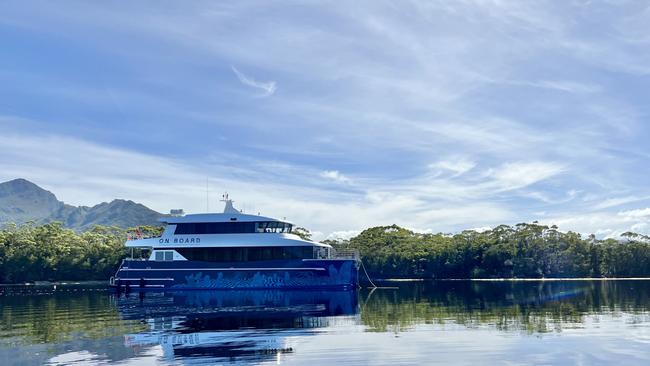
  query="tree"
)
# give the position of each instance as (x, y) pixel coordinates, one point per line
(303, 233)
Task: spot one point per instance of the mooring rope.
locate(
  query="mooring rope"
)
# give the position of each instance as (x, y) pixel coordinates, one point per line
(367, 276)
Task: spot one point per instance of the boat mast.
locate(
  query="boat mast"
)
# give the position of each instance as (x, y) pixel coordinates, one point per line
(229, 207)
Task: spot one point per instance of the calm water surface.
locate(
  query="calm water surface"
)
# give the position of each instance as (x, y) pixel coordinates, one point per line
(517, 323)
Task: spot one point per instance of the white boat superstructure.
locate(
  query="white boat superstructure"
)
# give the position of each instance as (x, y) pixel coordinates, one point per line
(233, 242)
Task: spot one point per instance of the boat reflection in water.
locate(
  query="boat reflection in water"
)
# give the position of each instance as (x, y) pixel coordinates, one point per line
(220, 326)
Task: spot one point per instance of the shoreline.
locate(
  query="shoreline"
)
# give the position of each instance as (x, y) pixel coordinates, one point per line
(55, 283)
(549, 279)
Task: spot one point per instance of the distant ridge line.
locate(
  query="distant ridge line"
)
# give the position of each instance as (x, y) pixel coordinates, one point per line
(22, 201)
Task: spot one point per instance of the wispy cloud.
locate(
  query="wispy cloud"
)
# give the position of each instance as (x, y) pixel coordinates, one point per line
(618, 201)
(268, 87)
(602, 223)
(568, 86)
(335, 175)
(638, 213)
(517, 175)
(457, 166)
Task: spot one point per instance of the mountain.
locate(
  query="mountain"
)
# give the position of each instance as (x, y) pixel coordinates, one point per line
(22, 201)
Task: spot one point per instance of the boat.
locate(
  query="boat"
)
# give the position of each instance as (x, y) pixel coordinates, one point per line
(233, 250)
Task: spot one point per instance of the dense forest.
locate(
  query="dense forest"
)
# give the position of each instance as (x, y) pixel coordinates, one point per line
(522, 251)
(31, 252)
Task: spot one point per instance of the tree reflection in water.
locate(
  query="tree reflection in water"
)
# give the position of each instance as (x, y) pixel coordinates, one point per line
(528, 306)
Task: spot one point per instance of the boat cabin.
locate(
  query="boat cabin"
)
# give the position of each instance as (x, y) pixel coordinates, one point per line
(230, 236)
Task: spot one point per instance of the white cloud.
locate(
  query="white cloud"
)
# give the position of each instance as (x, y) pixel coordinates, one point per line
(510, 176)
(605, 224)
(456, 165)
(636, 214)
(613, 202)
(335, 175)
(268, 87)
(554, 199)
(569, 86)
(343, 235)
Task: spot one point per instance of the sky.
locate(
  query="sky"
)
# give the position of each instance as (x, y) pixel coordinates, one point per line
(438, 116)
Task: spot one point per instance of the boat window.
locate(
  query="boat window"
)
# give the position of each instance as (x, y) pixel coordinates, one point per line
(164, 255)
(246, 254)
(215, 228)
(191, 228)
(260, 226)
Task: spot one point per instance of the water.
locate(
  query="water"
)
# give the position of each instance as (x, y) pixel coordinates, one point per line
(465, 323)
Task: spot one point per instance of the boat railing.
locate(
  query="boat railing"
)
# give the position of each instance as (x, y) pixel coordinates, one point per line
(345, 254)
(136, 236)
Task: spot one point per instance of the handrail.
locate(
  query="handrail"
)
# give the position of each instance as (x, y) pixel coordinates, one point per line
(345, 254)
(130, 237)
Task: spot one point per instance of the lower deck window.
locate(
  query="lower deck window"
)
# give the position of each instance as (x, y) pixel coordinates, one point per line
(164, 255)
(246, 254)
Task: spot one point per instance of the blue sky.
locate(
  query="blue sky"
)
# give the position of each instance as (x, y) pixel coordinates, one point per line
(437, 116)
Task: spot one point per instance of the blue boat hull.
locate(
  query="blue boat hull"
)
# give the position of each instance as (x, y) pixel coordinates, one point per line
(195, 275)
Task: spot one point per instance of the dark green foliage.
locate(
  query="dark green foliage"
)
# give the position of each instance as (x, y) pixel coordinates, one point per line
(522, 251)
(303, 233)
(33, 252)
(51, 252)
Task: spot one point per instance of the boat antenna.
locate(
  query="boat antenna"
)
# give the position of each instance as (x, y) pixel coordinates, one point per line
(229, 208)
(207, 196)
